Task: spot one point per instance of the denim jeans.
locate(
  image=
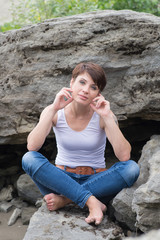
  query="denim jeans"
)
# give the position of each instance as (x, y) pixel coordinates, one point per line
(78, 188)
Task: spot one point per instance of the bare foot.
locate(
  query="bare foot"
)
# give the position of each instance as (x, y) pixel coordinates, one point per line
(55, 202)
(96, 210)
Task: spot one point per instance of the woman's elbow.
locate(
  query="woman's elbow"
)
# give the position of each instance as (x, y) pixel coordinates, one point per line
(125, 156)
(32, 147)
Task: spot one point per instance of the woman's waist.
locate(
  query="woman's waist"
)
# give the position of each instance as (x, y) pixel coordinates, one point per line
(81, 162)
(82, 170)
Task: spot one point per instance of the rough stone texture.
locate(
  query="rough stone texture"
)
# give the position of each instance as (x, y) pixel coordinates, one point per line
(152, 235)
(69, 223)
(27, 189)
(18, 203)
(139, 206)
(35, 62)
(122, 206)
(5, 206)
(27, 214)
(6, 194)
(15, 215)
(146, 201)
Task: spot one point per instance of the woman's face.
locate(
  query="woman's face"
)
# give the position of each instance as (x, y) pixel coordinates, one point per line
(84, 89)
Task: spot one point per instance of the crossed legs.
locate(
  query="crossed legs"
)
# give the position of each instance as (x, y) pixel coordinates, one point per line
(60, 189)
(96, 208)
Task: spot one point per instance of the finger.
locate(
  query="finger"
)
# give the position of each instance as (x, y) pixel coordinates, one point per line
(99, 102)
(67, 94)
(65, 91)
(69, 100)
(68, 89)
(103, 101)
(98, 98)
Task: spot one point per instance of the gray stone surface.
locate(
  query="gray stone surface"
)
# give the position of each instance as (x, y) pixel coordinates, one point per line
(5, 206)
(36, 62)
(146, 201)
(139, 206)
(15, 215)
(6, 194)
(27, 189)
(69, 223)
(27, 213)
(152, 235)
(18, 203)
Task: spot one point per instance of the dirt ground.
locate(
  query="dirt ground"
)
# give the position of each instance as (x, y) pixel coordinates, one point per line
(14, 232)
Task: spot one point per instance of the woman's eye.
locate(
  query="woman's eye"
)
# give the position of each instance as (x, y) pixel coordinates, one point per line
(82, 82)
(94, 87)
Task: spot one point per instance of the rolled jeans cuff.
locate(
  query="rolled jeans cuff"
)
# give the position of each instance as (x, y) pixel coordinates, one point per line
(82, 204)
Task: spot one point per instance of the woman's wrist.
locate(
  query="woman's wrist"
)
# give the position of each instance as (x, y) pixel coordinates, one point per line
(53, 108)
(110, 119)
(107, 116)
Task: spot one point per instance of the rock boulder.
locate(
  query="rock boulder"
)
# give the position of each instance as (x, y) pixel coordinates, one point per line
(37, 61)
(139, 206)
(69, 223)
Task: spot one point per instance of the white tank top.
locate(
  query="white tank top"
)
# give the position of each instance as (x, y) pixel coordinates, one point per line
(84, 148)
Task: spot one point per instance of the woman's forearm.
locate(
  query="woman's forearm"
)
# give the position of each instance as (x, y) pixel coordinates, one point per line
(37, 136)
(120, 145)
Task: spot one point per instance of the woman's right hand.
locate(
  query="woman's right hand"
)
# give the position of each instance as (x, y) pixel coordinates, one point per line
(62, 99)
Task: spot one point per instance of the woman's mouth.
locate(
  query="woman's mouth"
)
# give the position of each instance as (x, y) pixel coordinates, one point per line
(83, 97)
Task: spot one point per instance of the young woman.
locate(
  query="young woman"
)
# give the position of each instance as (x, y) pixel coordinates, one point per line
(82, 120)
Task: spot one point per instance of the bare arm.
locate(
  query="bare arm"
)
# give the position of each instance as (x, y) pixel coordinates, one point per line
(37, 136)
(120, 145)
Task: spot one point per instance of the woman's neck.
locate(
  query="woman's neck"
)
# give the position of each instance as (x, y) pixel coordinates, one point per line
(79, 110)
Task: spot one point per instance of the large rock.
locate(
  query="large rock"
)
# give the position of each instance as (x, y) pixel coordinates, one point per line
(146, 201)
(152, 235)
(36, 61)
(69, 223)
(139, 206)
(27, 189)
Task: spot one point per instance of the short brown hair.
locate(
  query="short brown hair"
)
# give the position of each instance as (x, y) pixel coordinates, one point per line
(94, 70)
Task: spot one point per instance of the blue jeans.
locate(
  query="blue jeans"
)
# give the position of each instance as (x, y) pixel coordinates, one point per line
(78, 188)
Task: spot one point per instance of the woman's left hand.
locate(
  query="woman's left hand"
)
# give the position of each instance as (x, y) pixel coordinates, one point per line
(100, 106)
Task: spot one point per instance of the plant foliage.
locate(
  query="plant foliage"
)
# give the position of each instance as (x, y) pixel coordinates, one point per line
(33, 11)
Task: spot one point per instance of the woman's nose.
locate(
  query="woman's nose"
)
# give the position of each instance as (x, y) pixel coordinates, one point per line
(85, 88)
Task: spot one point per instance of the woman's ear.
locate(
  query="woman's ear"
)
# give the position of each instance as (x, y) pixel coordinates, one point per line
(99, 94)
(71, 82)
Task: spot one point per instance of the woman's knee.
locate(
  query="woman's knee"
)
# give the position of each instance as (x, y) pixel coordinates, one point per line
(32, 161)
(27, 161)
(129, 170)
(132, 172)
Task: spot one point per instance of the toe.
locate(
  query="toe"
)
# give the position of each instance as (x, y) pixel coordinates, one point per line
(48, 197)
(89, 220)
(98, 221)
